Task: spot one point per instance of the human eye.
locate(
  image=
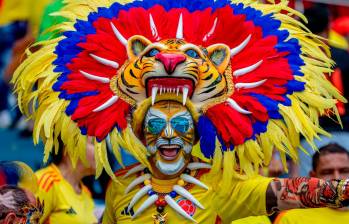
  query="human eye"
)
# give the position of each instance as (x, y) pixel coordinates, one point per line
(180, 124)
(156, 125)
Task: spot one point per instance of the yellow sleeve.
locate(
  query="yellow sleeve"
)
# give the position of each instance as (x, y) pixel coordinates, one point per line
(282, 218)
(245, 198)
(48, 198)
(108, 216)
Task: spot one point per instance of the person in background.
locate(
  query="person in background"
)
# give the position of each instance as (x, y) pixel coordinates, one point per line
(319, 19)
(330, 162)
(17, 201)
(66, 198)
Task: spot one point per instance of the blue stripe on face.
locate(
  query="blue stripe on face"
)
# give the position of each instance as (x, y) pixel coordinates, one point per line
(156, 125)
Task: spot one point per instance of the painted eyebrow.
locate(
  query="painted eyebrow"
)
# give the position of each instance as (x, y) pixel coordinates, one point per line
(155, 113)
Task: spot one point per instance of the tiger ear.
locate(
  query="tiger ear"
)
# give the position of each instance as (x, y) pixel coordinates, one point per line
(135, 45)
(219, 54)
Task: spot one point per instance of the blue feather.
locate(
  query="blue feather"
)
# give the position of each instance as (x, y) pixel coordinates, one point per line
(207, 134)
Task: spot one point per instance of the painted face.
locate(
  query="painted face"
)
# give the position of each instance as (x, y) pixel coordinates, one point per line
(169, 135)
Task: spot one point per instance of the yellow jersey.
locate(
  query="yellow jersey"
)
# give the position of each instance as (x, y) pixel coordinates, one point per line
(253, 220)
(244, 198)
(61, 203)
(315, 215)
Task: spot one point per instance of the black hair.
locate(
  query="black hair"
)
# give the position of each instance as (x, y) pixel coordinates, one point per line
(56, 158)
(318, 18)
(328, 149)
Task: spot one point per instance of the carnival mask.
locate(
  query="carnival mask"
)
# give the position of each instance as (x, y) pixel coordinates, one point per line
(169, 135)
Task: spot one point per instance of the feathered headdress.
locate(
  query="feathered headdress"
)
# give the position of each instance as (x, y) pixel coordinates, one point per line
(275, 78)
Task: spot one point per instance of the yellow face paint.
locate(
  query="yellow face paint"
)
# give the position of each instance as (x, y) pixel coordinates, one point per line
(169, 135)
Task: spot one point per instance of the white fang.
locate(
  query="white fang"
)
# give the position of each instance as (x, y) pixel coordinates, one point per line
(137, 181)
(211, 30)
(118, 35)
(181, 191)
(154, 92)
(138, 196)
(248, 69)
(239, 48)
(179, 34)
(107, 104)
(151, 200)
(134, 170)
(236, 106)
(94, 77)
(196, 166)
(104, 61)
(154, 31)
(193, 180)
(173, 204)
(249, 85)
(185, 95)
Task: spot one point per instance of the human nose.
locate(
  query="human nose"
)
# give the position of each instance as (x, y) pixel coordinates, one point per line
(169, 131)
(336, 174)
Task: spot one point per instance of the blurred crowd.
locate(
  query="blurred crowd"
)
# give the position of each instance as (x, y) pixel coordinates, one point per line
(23, 22)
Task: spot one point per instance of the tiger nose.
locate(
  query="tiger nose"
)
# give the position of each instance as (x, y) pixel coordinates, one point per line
(170, 61)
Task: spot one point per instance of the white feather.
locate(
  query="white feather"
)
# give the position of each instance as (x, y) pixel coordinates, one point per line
(118, 35)
(105, 61)
(211, 30)
(154, 31)
(239, 48)
(179, 34)
(248, 69)
(249, 85)
(94, 77)
(107, 104)
(236, 106)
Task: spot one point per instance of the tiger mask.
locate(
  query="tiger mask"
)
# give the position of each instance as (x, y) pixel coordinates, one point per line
(174, 67)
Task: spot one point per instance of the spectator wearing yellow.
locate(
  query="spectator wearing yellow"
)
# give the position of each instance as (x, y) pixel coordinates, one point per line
(331, 162)
(66, 198)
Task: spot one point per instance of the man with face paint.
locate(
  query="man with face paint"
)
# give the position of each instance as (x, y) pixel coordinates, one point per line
(199, 92)
(179, 184)
(169, 136)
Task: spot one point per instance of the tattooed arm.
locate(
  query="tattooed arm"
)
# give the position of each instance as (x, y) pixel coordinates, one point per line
(303, 192)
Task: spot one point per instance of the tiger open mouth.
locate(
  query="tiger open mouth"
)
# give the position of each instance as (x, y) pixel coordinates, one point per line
(177, 86)
(169, 152)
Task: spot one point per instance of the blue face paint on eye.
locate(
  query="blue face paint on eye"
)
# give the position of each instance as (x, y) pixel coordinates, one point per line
(156, 125)
(180, 124)
(192, 53)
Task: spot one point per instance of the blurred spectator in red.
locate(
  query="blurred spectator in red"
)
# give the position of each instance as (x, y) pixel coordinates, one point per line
(339, 35)
(330, 162)
(319, 23)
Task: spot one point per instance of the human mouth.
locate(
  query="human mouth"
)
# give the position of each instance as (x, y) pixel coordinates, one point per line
(169, 152)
